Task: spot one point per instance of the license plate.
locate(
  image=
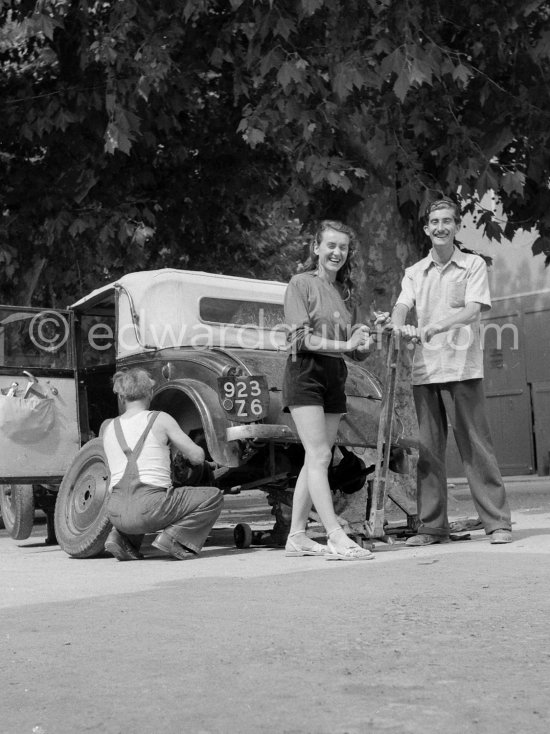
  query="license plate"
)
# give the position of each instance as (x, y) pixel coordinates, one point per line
(244, 398)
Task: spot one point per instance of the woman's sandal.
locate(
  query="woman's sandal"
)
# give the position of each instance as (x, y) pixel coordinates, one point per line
(293, 549)
(352, 553)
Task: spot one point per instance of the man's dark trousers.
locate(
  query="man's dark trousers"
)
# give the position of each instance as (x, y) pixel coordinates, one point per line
(460, 404)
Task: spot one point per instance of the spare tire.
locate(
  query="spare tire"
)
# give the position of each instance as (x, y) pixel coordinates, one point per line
(81, 523)
(17, 508)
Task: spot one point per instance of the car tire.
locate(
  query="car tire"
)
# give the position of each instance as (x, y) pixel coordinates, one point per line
(81, 523)
(17, 507)
(242, 535)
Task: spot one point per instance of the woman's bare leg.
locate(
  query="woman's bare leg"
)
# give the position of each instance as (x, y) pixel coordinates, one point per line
(317, 431)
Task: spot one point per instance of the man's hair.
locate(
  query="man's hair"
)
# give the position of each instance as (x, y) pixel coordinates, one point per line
(133, 384)
(444, 203)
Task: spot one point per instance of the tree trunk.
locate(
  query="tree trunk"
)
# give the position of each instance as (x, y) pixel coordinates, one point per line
(386, 249)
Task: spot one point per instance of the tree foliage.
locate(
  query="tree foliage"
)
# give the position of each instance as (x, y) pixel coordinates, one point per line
(171, 133)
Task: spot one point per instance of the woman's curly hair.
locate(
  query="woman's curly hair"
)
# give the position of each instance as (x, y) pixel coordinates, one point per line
(344, 274)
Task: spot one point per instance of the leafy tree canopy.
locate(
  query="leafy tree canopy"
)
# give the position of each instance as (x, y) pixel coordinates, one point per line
(170, 133)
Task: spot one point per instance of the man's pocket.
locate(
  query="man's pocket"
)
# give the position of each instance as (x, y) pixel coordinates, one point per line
(456, 293)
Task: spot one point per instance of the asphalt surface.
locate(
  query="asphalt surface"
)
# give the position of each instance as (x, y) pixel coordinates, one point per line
(449, 637)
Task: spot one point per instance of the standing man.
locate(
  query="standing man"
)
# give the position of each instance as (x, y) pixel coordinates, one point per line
(449, 289)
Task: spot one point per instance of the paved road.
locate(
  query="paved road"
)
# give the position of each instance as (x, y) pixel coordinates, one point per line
(447, 638)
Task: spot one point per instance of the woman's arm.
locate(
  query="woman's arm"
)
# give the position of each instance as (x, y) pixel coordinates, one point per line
(360, 341)
(301, 335)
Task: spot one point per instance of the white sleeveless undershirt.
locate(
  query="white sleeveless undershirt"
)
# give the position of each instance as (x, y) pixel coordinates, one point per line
(153, 462)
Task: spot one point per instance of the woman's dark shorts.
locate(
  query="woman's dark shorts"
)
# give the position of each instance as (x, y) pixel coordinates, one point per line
(315, 379)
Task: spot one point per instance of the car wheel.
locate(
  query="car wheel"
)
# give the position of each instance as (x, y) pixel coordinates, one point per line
(242, 535)
(81, 523)
(17, 507)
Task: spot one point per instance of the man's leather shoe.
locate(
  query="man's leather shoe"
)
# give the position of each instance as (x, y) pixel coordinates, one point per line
(425, 539)
(167, 544)
(501, 536)
(120, 547)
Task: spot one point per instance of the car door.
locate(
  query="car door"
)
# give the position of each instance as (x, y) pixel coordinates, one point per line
(39, 427)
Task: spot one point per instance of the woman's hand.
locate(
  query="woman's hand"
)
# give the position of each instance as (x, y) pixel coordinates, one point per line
(360, 340)
(382, 319)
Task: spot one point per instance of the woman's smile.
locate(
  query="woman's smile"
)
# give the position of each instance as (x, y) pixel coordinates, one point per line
(332, 251)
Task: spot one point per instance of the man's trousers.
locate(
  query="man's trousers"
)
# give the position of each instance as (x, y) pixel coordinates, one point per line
(460, 404)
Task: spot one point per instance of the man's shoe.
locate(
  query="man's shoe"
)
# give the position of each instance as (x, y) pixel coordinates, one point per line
(425, 539)
(501, 536)
(167, 544)
(120, 547)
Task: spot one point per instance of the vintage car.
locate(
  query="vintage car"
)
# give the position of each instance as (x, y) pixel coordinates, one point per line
(216, 348)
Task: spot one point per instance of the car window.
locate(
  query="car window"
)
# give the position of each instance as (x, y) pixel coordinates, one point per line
(30, 338)
(97, 339)
(242, 313)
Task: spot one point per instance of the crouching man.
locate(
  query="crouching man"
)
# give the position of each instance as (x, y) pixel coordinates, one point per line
(142, 498)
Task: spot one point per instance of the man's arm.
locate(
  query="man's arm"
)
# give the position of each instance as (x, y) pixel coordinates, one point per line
(103, 426)
(467, 315)
(405, 301)
(180, 439)
(400, 328)
(399, 315)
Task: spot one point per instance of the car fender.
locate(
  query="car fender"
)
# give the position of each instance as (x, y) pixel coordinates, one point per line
(212, 416)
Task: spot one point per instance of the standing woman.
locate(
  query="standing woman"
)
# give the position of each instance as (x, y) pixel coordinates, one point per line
(318, 306)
